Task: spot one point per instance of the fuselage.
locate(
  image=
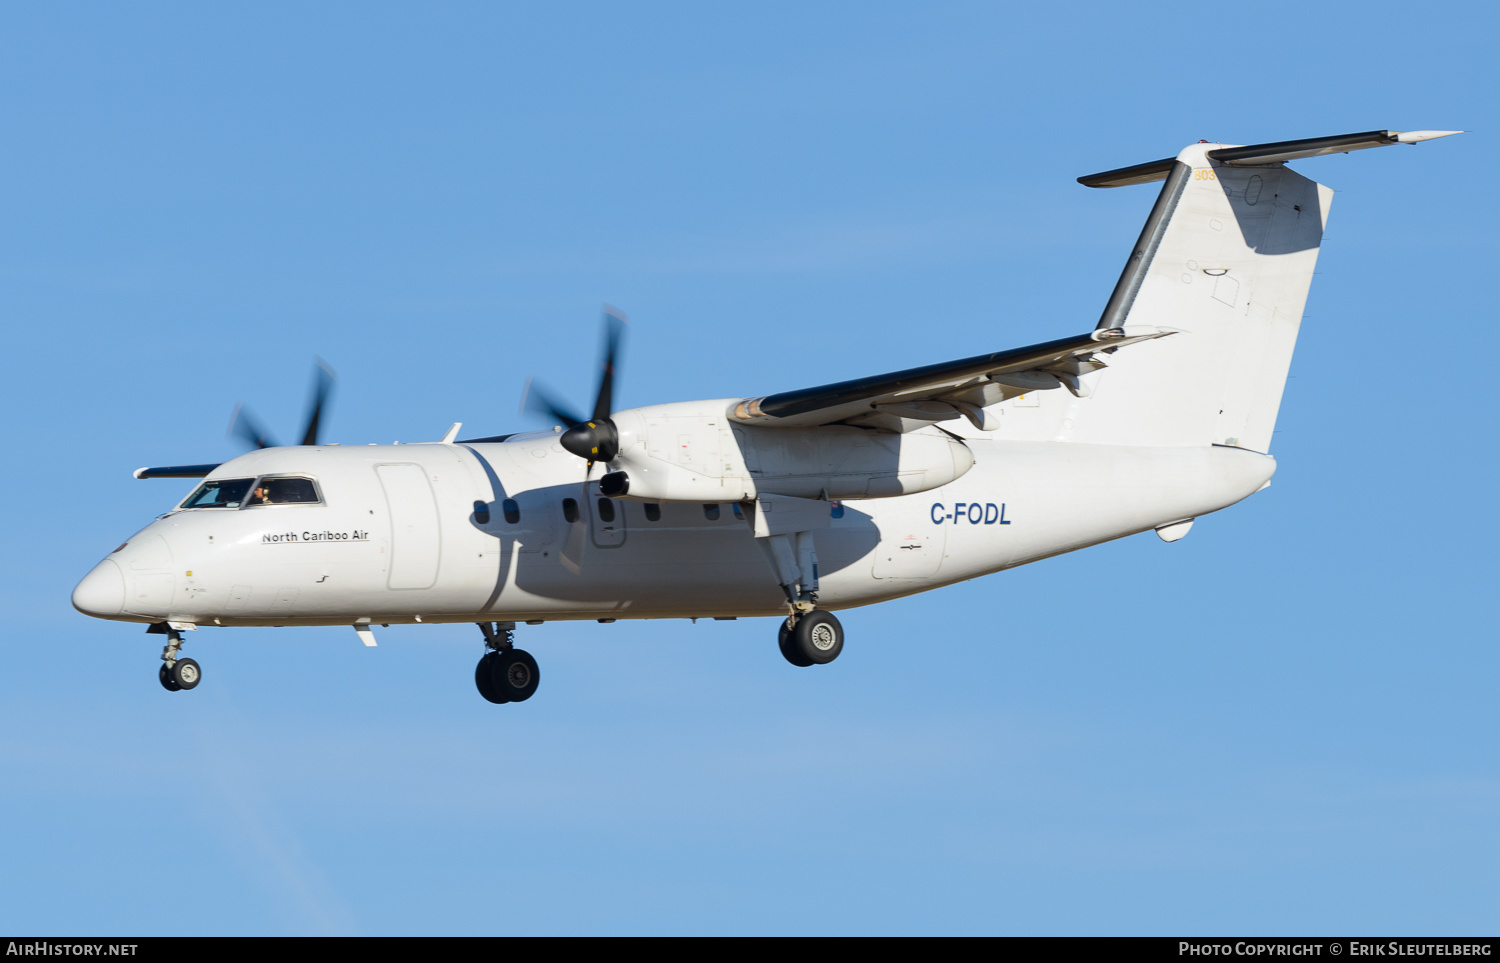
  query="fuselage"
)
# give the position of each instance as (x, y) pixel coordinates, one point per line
(512, 531)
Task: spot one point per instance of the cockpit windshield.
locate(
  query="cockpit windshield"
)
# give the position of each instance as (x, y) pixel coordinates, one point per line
(219, 493)
(284, 491)
(252, 493)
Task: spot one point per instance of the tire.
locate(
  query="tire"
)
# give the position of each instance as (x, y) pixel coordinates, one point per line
(484, 680)
(164, 676)
(789, 649)
(515, 675)
(186, 674)
(818, 637)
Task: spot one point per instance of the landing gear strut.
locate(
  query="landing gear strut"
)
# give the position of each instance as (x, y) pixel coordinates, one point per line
(175, 674)
(808, 636)
(505, 673)
(811, 638)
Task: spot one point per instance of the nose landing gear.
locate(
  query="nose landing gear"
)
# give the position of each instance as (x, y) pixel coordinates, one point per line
(175, 674)
(811, 638)
(505, 673)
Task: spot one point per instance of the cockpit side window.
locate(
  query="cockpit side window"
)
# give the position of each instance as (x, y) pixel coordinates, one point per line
(219, 493)
(284, 491)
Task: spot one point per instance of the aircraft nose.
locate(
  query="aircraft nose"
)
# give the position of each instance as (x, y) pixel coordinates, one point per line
(102, 591)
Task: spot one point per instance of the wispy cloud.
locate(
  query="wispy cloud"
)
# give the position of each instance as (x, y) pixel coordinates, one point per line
(253, 826)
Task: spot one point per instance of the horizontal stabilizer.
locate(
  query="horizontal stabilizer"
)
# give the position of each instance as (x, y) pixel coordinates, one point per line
(1286, 150)
(1262, 154)
(175, 471)
(1156, 170)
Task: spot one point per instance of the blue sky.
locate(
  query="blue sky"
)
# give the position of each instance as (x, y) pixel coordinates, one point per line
(1284, 723)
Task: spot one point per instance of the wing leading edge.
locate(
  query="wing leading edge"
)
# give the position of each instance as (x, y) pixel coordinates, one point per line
(916, 397)
(176, 471)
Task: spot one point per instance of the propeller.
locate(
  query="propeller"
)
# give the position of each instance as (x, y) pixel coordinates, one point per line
(250, 431)
(323, 379)
(595, 438)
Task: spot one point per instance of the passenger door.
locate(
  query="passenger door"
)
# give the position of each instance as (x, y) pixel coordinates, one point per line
(416, 540)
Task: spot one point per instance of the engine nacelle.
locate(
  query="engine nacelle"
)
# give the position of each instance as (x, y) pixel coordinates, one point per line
(691, 452)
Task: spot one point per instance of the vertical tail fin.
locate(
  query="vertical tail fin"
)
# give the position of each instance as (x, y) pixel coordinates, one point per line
(1226, 256)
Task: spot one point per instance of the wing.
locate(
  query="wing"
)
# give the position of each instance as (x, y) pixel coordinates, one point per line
(176, 471)
(910, 399)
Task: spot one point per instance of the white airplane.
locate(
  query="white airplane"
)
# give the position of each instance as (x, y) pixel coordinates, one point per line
(794, 504)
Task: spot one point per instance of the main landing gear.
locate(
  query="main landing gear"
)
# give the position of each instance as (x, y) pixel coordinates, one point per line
(175, 673)
(505, 673)
(811, 638)
(808, 636)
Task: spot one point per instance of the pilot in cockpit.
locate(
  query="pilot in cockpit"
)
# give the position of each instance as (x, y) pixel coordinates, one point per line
(283, 491)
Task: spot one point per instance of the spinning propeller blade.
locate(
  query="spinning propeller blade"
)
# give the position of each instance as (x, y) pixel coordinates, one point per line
(537, 401)
(241, 424)
(596, 439)
(604, 401)
(250, 431)
(323, 379)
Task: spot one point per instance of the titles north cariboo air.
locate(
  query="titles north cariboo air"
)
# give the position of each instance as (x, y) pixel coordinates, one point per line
(323, 536)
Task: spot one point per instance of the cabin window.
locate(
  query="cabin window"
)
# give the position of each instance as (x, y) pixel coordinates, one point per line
(653, 512)
(219, 493)
(284, 491)
(711, 512)
(606, 510)
(570, 510)
(737, 512)
(512, 511)
(481, 513)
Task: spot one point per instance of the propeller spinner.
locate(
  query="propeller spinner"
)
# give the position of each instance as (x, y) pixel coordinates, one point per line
(595, 438)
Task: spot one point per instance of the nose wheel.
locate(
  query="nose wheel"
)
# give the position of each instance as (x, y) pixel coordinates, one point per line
(176, 673)
(815, 638)
(505, 673)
